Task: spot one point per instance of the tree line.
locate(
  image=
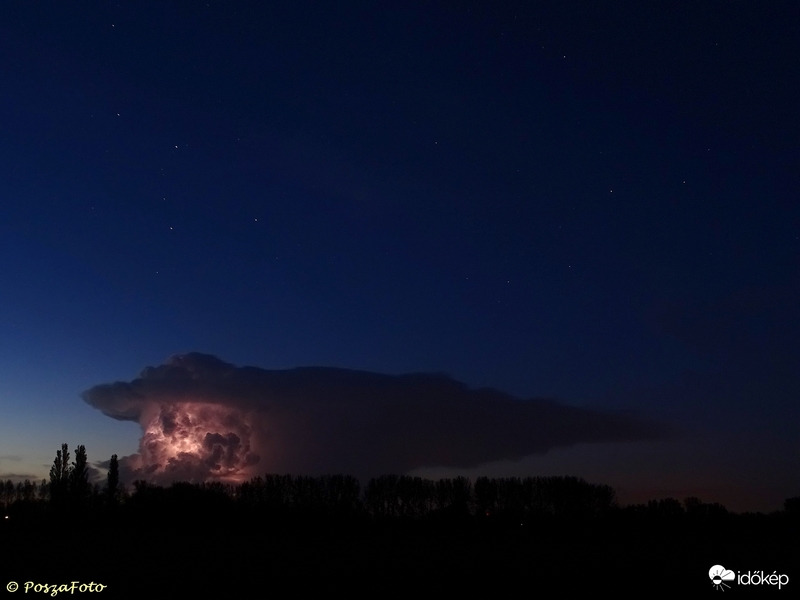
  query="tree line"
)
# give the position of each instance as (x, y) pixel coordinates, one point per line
(387, 497)
(69, 486)
(384, 498)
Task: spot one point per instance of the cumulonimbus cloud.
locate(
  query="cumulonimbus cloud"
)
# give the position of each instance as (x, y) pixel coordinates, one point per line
(205, 419)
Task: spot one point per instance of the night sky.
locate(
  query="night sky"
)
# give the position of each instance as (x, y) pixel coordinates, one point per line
(590, 203)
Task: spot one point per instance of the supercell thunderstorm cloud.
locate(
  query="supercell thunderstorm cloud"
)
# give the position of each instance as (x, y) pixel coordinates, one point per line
(195, 441)
(203, 419)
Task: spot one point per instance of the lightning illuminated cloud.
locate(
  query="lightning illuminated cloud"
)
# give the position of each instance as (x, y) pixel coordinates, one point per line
(204, 419)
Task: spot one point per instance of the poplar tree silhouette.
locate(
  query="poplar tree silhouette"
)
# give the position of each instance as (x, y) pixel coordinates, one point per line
(79, 489)
(59, 476)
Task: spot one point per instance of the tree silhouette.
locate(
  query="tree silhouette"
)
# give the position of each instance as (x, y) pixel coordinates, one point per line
(112, 489)
(79, 488)
(43, 491)
(485, 495)
(6, 494)
(59, 476)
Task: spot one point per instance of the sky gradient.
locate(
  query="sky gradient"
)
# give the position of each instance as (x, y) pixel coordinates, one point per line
(594, 203)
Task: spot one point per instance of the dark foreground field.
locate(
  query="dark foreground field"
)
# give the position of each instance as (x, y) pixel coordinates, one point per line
(287, 555)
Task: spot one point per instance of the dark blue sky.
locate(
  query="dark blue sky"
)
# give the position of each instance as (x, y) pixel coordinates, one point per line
(593, 202)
